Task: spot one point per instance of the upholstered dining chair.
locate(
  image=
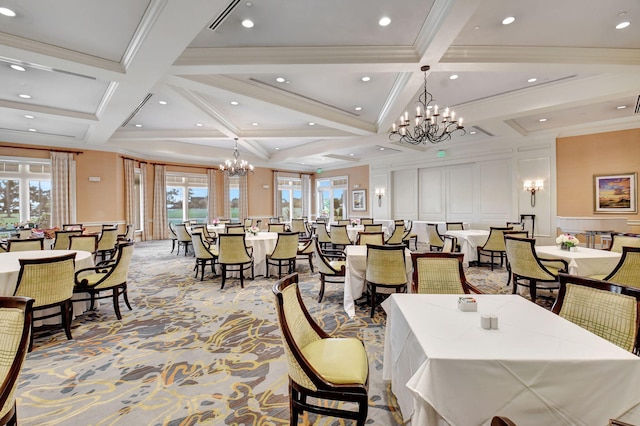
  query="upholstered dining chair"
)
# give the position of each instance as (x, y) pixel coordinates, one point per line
(16, 317)
(184, 237)
(84, 242)
(331, 266)
(340, 236)
(526, 265)
(205, 253)
(494, 246)
(627, 271)
(49, 281)
(366, 221)
(440, 273)
(275, 227)
(454, 226)
(230, 228)
(107, 243)
(234, 255)
(306, 250)
(319, 366)
(173, 236)
(408, 237)
(396, 236)
(515, 234)
(127, 235)
(72, 227)
(324, 238)
(377, 227)
(618, 241)
(345, 222)
(25, 245)
(299, 226)
(110, 276)
(206, 235)
(385, 271)
(516, 226)
(285, 252)
(62, 239)
(434, 237)
(449, 244)
(376, 238)
(608, 310)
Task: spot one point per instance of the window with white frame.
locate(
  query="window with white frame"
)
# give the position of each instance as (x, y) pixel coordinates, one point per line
(187, 197)
(290, 193)
(234, 197)
(25, 192)
(331, 197)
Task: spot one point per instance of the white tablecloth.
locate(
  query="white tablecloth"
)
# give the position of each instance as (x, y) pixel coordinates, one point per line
(585, 261)
(356, 267)
(537, 368)
(420, 229)
(10, 268)
(468, 240)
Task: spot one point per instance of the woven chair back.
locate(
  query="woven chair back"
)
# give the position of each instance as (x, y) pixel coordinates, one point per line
(48, 281)
(523, 260)
(286, 246)
(323, 234)
(109, 238)
(433, 235)
(276, 227)
(339, 235)
(449, 244)
(372, 227)
(200, 250)
(297, 225)
(455, 226)
(398, 233)
(62, 239)
(366, 221)
(232, 249)
(234, 229)
(618, 241)
(84, 242)
(495, 242)
(375, 238)
(25, 245)
(120, 271)
(627, 272)
(386, 265)
(438, 273)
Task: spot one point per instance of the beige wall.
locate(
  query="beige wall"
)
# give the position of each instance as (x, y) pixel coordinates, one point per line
(358, 179)
(579, 158)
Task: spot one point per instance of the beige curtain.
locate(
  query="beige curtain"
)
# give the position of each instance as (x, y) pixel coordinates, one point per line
(146, 224)
(244, 198)
(227, 204)
(306, 196)
(160, 222)
(211, 187)
(130, 191)
(277, 199)
(63, 203)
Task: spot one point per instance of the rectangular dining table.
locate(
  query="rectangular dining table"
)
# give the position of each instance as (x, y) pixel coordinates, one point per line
(537, 368)
(583, 261)
(469, 240)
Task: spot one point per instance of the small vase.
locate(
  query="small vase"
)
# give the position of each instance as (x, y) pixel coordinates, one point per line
(564, 246)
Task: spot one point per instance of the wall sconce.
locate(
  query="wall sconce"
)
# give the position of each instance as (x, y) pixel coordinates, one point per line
(379, 194)
(533, 187)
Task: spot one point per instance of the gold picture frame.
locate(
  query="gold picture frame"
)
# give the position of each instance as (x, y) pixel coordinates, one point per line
(615, 193)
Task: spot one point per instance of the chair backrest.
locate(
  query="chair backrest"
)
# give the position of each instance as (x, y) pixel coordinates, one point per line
(627, 271)
(517, 226)
(439, 273)
(47, 280)
(523, 260)
(373, 227)
(608, 310)
(172, 231)
(200, 249)
(366, 221)
(298, 225)
(248, 222)
(618, 241)
(339, 235)
(72, 227)
(16, 316)
(118, 272)
(449, 244)
(25, 245)
(286, 246)
(398, 233)
(109, 226)
(234, 229)
(455, 226)
(127, 235)
(495, 242)
(376, 238)
(232, 249)
(344, 222)
(386, 265)
(275, 227)
(298, 330)
(407, 230)
(24, 234)
(275, 219)
(62, 239)
(433, 235)
(529, 221)
(516, 234)
(84, 242)
(323, 234)
(109, 238)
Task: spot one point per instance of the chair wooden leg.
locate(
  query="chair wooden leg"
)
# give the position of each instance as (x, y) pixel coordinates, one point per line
(224, 275)
(532, 290)
(66, 310)
(116, 305)
(374, 299)
(173, 245)
(311, 262)
(125, 297)
(321, 294)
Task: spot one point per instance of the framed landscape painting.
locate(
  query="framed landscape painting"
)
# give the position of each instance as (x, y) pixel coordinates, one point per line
(615, 193)
(359, 200)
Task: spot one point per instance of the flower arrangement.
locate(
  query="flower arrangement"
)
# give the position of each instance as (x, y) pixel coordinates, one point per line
(216, 221)
(355, 222)
(567, 241)
(254, 230)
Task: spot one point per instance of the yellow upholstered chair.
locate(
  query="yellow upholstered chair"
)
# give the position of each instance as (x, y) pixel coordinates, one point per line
(373, 227)
(455, 226)
(127, 235)
(433, 235)
(396, 236)
(173, 236)
(107, 276)
(206, 235)
(605, 309)
(84, 242)
(627, 271)
(526, 265)
(494, 246)
(340, 236)
(516, 226)
(108, 240)
(331, 266)
(623, 240)
(366, 221)
(49, 281)
(62, 239)
(344, 222)
(439, 273)
(234, 255)
(516, 234)
(306, 249)
(449, 244)
(275, 227)
(324, 238)
(386, 271)
(319, 366)
(234, 229)
(183, 237)
(285, 252)
(205, 253)
(16, 317)
(300, 226)
(25, 245)
(375, 238)
(408, 237)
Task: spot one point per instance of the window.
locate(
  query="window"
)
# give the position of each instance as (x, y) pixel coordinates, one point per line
(332, 197)
(290, 190)
(25, 192)
(187, 198)
(234, 197)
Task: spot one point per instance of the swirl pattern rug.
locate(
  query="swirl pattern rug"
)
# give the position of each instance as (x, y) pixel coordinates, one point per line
(189, 353)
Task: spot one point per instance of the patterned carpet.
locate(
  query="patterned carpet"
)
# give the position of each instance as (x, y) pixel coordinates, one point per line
(190, 353)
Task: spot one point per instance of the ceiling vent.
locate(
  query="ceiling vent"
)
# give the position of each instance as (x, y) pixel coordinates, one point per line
(135, 111)
(637, 110)
(220, 19)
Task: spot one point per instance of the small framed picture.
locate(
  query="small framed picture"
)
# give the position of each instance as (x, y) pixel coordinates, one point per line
(615, 193)
(359, 200)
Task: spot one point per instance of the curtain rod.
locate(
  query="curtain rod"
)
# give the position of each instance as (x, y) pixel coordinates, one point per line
(289, 171)
(42, 149)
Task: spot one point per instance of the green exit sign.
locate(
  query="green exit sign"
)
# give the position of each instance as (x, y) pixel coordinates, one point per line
(441, 153)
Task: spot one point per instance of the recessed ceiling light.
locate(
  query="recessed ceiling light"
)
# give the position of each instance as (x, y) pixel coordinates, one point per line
(247, 23)
(32, 130)
(622, 25)
(29, 116)
(254, 124)
(532, 80)
(138, 125)
(384, 21)
(18, 67)
(7, 12)
(477, 27)
(248, 4)
(311, 123)
(277, 149)
(281, 79)
(621, 107)
(302, 164)
(453, 76)
(199, 124)
(234, 103)
(366, 78)
(358, 108)
(351, 155)
(542, 120)
(381, 149)
(23, 96)
(473, 132)
(162, 102)
(508, 20)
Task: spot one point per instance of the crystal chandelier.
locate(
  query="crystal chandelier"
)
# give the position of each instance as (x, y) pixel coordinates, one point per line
(235, 167)
(430, 125)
